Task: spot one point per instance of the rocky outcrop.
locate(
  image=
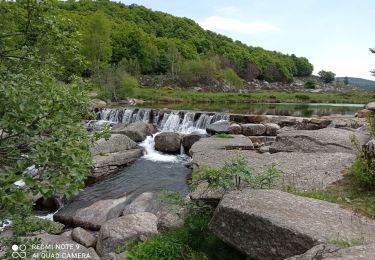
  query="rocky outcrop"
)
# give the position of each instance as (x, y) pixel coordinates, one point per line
(236, 142)
(219, 127)
(190, 139)
(109, 155)
(110, 163)
(168, 142)
(207, 195)
(116, 143)
(313, 123)
(271, 129)
(262, 140)
(271, 224)
(137, 131)
(83, 237)
(117, 231)
(253, 129)
(91, 216)
(323, 251)
(364, 113)
(328, 140)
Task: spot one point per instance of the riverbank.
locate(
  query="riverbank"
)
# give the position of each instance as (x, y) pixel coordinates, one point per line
(183, 96)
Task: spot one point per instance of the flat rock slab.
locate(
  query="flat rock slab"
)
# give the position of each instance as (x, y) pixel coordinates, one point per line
(271, 224)
(116, 143)
(366, 252)
(91, 216)
(329, 140)
(237, 142)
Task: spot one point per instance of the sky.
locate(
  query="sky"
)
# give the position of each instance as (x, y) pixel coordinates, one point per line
(334, 35)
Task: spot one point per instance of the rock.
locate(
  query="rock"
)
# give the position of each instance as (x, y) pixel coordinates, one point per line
(262, 140)
(210, 196)
(271, 224)
(238, 142)
(107, 164)
(371, 106)
(323, 251)
(369, 150)
(364, 113)
(116, 143)
(246, 119)
(137, 131)
(219, 127)
(329, 140)
(271, 129)
(347, 122)
(168, 142)
(93, 254)
(189, 140)
(90, 216)
(83, 237)
(97, 103)
(235, 129)
(117, 231)
(69, 249)
(264, 149)
(253, 129)
(150, 202)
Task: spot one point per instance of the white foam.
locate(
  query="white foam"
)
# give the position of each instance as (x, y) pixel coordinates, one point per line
(152, 154)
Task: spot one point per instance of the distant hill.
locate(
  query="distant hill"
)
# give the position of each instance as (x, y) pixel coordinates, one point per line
(360, 83)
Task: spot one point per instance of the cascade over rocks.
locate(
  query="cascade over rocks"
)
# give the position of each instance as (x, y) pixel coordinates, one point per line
(271, 224)
(168, 142)
(116, 232)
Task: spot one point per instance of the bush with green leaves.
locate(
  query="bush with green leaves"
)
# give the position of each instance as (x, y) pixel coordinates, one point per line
(327, 76)
(231, 77)
(234, 171)
(310, 84)
(27, 226)
(192, 241)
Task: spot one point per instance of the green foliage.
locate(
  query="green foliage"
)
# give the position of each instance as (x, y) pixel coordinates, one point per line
(26, 226)
(310, 84)
(41, 119)
(191, 241)
(230, 76)
(223, 135)
(373, 51)
(345, 244)
(200, 72)
(346, 81)
(233, 172)
(327, 76)
(302, 97)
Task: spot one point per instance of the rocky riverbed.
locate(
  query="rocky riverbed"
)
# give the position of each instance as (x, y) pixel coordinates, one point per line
(124, 204)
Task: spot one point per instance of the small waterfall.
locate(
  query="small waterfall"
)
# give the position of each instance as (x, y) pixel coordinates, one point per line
(153, 155)
(166, 121)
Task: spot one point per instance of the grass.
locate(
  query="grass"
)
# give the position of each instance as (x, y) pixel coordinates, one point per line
(223, 135)
(191, 241)
(185, 96)
(345, 193)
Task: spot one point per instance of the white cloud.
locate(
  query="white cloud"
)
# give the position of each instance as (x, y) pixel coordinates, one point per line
(228, 10)
(216, 23)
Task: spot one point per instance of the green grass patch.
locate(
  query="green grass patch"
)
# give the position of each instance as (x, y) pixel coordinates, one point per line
(29, 225)
(345, 193)
(345, 244)
(191, 241)
(186, 96)
(223, 135)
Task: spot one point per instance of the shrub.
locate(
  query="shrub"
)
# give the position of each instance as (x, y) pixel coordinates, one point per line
(232, 78)
(26, 226)
(327, 76)
(310, 84)
(233, 172)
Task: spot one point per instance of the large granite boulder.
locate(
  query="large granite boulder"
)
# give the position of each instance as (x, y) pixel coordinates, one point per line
(364, 113)
(91, 216)
(168, 142)
(253, 129)
(328, 140)
(117, 231)
(271, 224)
(271, 129)
(106, 164)
(313, 123)
(323, 251)
(137, 131)
(235, 129)
(116, 143)
(83, 237)
(371, 106)
(190, 139)
(219, 127)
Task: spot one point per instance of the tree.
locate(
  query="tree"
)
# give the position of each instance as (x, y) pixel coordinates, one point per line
(327, 76)
(42, 142)
(174, 57)
(96, 43)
